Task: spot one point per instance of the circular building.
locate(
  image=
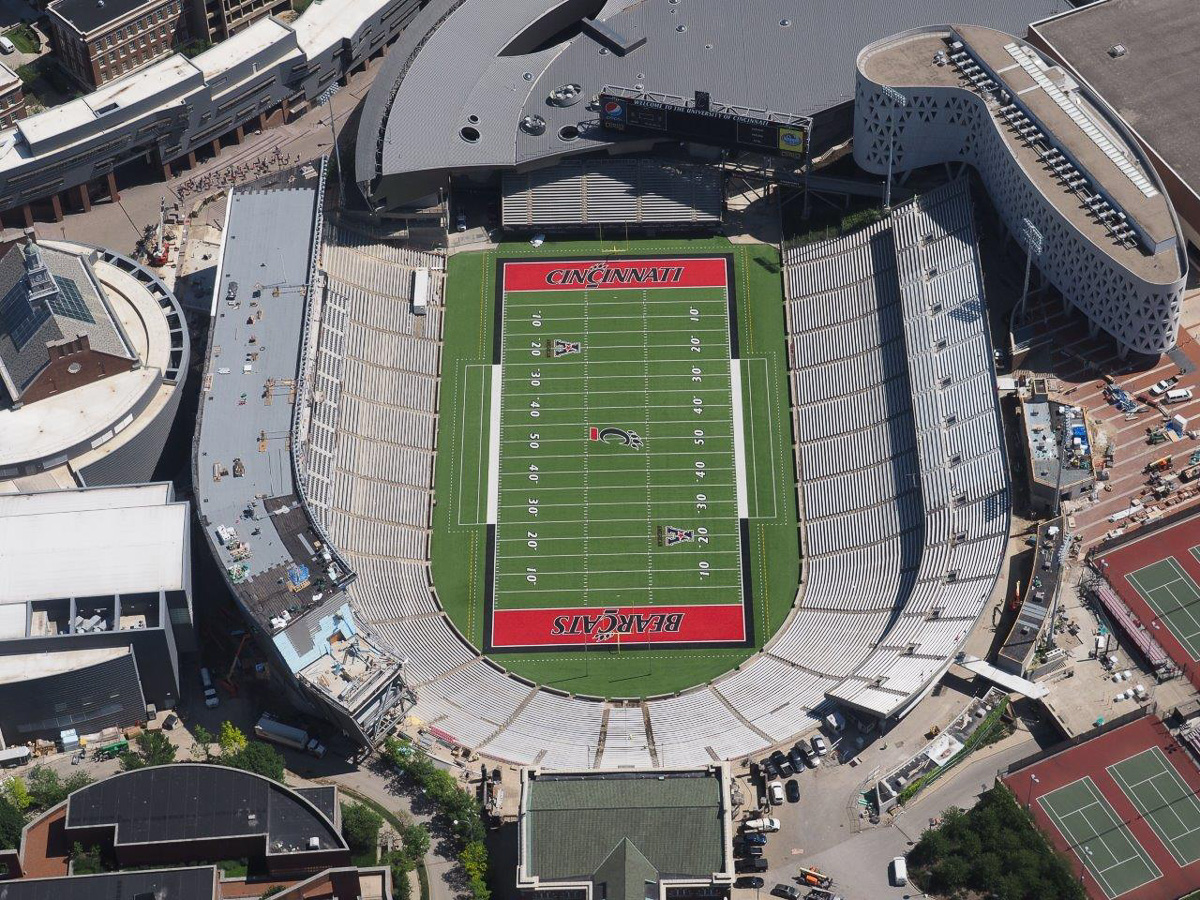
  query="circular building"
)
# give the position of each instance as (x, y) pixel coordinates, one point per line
(93, 355)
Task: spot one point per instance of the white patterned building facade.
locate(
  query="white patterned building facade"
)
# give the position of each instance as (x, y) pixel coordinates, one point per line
(1046, 150)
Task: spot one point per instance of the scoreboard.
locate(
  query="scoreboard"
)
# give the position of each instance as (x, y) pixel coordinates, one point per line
(703, 125)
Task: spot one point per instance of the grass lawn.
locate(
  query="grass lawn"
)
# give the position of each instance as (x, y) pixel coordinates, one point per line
(615, 482)
(24, 37)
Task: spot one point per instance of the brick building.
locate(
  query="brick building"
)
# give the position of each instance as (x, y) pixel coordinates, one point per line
(99, 40)
(215, 20)
(12, 98)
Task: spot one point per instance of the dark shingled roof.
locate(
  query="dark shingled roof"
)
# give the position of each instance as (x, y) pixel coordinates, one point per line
(184, 802)
(87, 15)
(198, 883)
(623, 829)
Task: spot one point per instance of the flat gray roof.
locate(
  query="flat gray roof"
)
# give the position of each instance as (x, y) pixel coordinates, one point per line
(245, 491)
(790, 56)
(1155, 85)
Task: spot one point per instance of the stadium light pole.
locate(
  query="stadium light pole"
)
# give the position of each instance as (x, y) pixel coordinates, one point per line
(327, 97)
(1033, 247)
(899, 101)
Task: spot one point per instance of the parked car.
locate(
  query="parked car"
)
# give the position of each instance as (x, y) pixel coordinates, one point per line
(754, 838)
(793, 791)
(1178, 395)
(806, 754)
(753, 882)
(766, 823)
(753, 864)
(6, 46)
(775, 792)
(170, 721)
(1163, 386)
(770, 770)
(819, 746)
(461, 222)
(899, 872)
(752, 851)
(786, 891)
(781, 763)
(796, 758)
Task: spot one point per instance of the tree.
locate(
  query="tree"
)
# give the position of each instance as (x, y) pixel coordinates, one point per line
(360, 827)
(12, 820)
(202, 745)
(16, 795)
(232, 739)
(45, 787)
(257, 757)
(85, 862)
(153, 748)
(415, 839)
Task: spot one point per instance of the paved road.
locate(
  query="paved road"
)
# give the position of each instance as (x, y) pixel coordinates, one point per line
(377, 786)
(860, 863)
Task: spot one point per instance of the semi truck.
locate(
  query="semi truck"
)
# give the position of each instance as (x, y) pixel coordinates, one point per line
(289, 736)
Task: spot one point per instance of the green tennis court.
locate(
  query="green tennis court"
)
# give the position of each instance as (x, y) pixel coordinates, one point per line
(1096, 834)
(1175, 598)
(1164, 799)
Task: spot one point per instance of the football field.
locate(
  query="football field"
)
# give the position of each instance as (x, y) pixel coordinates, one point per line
(621, 451)
(621, 465)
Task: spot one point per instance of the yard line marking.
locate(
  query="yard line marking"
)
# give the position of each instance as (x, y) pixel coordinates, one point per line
(493, 495)
(739, 439)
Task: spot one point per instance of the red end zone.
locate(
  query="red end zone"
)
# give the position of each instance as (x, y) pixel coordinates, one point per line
(614, 274)
(612, 626)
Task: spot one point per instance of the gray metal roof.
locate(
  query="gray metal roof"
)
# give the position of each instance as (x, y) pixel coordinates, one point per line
(447, 68)
(255, 342)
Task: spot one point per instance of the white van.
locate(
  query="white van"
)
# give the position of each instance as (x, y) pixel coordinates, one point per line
(6, 46)
(211, 700)
(1179, 395)
(899, 872)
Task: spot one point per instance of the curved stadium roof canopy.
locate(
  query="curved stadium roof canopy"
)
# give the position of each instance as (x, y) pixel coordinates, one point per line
(455, 87)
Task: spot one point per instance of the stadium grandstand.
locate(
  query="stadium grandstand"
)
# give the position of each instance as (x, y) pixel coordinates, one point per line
(936, 510)
(586, 194)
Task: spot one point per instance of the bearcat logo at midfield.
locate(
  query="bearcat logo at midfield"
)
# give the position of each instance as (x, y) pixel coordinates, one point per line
(610, 624)
(600, 274)
(613, 435)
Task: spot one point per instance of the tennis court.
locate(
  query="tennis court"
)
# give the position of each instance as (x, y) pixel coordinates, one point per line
(1096, 834)
(1174, 597)
(1164, 799)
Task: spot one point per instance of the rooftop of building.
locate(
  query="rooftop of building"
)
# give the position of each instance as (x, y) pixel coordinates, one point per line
(1154, 84)
(1022, 640)
(86, 543)
(192, 802)
(909, 61)
(27, 667)
(51, 296)
(196, 883)
(265, 34)
(509, 58)
(1054, 431)
(85, 423)
(245, 491)
(88, 15)
(624, 828)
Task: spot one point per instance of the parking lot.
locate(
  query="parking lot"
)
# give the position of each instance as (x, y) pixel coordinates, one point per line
(1084, 367)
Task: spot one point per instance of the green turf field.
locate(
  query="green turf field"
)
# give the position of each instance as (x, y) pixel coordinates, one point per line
(1105, 845)
(614, 485)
